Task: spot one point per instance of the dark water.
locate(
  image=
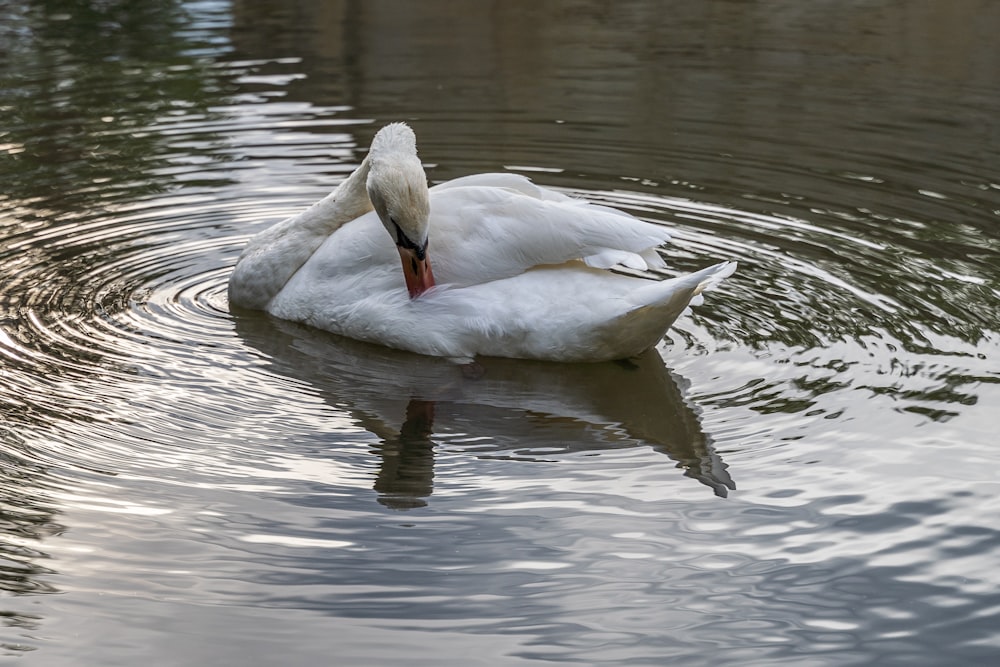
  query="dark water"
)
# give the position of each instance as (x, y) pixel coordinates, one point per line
(805, 472)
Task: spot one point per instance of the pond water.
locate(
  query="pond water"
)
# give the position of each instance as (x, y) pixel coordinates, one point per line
(804, 472)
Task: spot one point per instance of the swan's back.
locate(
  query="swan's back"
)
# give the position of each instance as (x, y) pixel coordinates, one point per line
(493, 226)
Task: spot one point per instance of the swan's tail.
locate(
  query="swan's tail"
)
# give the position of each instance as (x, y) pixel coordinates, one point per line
(685, 289)
(711, 277)
(653, 309)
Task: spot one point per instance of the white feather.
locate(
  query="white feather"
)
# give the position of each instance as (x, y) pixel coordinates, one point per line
(520, 272)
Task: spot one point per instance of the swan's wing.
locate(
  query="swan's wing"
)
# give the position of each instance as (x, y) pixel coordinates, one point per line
(514, 182)
(492, 226)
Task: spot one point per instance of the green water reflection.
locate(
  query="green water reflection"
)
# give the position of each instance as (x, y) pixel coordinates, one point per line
(83, 86)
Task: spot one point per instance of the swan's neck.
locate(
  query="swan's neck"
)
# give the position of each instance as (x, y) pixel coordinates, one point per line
(273, 256)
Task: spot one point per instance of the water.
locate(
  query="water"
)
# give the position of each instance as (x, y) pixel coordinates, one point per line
(804, 472)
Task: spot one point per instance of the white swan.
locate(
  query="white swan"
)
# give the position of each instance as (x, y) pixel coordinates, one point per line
(518, 271)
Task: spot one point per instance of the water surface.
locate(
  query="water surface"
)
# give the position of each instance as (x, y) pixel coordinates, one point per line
(803, 472)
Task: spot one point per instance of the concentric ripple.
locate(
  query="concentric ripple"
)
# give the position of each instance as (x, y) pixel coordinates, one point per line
(135, 288)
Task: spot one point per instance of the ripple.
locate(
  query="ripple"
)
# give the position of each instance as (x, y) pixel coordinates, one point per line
(138, 290)
(806, 478)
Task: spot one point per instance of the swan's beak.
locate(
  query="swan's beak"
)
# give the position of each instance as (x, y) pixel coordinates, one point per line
(416, 270)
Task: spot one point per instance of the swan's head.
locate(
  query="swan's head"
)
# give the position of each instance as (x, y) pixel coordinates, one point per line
(397, 187)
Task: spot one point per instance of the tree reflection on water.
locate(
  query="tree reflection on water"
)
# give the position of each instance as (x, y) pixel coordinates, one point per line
(82, 85)
(27, 517)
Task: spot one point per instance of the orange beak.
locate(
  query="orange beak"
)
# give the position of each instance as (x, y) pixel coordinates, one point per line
(416, 270)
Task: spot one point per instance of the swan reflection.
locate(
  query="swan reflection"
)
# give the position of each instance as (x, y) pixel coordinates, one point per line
(509, 408)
